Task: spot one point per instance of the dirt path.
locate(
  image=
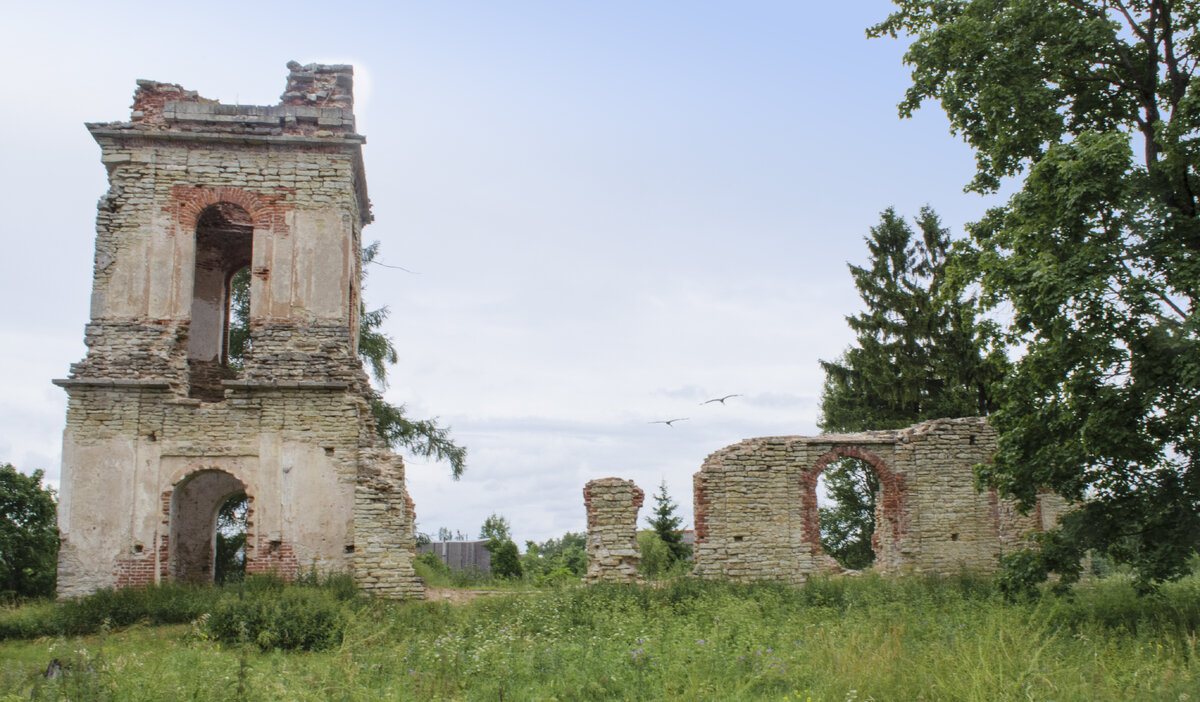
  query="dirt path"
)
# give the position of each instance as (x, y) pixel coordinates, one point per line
(453, 596)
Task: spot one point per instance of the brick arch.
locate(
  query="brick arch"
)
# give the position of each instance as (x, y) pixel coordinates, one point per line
(266, 210)
(179, 479)
(893, 498)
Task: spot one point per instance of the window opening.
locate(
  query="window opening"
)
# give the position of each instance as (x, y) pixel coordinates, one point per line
(847, 493)
(220, 298)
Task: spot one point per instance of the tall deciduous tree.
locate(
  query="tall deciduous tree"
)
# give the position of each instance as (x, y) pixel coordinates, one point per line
(28, 535)
(920, 353)
(1097, 104)
(496, 529)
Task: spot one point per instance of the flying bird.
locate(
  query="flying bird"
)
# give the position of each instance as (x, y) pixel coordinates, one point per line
(669, 422)
(719, 399)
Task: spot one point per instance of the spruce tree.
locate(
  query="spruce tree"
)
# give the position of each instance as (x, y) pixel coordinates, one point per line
(920, 353)
(666, 524)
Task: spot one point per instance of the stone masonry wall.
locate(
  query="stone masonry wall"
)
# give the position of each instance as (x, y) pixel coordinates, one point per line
(612, 509)
(756, 512)
(385, 529)
(293, 428)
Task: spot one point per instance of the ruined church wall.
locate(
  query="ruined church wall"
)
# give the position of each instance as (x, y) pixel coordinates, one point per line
(612, 506)
(305, 265)
(294, 426)
(297, 452)
(756, 514)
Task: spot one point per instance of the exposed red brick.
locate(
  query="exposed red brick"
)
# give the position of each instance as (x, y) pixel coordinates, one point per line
(893, 497)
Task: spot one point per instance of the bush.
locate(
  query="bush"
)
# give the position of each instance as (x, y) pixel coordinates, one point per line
(168, 603)
(431, 568)
(302, 618)
(506, 562)
(656, 557)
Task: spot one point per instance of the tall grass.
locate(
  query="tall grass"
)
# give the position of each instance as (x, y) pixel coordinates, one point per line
(835, 639)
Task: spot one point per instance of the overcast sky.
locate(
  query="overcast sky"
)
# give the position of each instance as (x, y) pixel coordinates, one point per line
(612, 211)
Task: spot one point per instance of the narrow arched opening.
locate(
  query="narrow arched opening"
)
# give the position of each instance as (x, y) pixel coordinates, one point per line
(224, 244)
(196, 505)
(237, 323)
(229, 550)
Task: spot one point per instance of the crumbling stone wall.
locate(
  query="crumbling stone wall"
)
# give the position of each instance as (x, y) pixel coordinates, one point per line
(756, 503)
(196, 190)
(612, 509)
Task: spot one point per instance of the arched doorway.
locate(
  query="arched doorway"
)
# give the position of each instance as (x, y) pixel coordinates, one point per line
(195, 503)
(848, 492)
(224, 243)
(890, 502)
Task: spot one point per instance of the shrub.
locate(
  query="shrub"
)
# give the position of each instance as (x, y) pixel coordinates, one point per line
(656, 557)
(297, 618)
(431, 568)
(506, 562)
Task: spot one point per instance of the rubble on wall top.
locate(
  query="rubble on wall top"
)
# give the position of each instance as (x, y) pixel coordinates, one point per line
(317, 102)
(329, 85)
(916, 432)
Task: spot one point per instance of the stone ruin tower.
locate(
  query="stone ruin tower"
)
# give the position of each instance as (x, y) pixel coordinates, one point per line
(161, 427)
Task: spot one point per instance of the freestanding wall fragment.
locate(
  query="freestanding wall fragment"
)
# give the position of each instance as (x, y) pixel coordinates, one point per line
(162, 426)
(612, 510)
(756, 503)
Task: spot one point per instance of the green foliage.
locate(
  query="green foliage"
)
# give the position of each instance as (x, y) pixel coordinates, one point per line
(656, 562)
(430, 568)
(168, 603)
(506, 561)
(229, 563)
(833, 639)
(1097, 255)
(424, 437)
(556, 561)
(239, 319)
(28, 535)
(496, 530)
(666, 525)
(656, 557)
(847, 526)
(920, 353)
(294, 618)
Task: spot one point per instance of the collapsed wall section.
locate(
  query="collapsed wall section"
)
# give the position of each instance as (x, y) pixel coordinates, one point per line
(612, 509)
(757, 515)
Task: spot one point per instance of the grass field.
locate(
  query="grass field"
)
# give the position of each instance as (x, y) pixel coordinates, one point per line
(841, 639)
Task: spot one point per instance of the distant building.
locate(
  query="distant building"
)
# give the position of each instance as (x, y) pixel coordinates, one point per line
(461, 555)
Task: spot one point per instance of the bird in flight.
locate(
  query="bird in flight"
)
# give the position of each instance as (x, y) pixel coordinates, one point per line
(669, 422)
(719, 399)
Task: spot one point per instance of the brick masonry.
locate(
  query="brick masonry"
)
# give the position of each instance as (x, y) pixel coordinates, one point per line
(756, 511)
(612, 508)
(153, 409)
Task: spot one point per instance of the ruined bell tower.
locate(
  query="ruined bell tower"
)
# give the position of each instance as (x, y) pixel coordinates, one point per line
(163, 425)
